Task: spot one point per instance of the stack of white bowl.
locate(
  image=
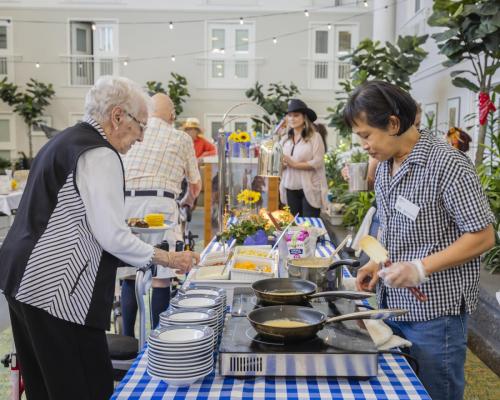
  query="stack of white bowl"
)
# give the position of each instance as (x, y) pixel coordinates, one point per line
(180, 355)
(190, 301)
(194, 316)
(203, 289)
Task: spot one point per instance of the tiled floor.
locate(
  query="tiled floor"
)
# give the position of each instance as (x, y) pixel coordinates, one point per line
(482, 383)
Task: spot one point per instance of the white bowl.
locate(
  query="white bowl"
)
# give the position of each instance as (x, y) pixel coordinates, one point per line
(174, 382)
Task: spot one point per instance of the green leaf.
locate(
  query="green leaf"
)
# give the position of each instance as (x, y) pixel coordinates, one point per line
(458, 72)
(446, 35)
(462, 82)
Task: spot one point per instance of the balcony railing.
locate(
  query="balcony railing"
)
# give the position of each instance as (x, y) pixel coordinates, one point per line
(85, 70)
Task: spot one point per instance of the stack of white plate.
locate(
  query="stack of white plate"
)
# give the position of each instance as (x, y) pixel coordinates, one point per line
(189, 301)
(180, 355)
(191, 316)
(202, 289)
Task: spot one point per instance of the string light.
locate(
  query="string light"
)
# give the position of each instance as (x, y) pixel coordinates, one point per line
(241, 20)
(329, 27)
(171, 25)
(221, 50)
(94, 27)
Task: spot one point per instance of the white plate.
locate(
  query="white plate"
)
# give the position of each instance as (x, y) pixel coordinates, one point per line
(196, 302)
(173, 348)
(202, 291)
(154, 229)
(181, 356)
(208, 322)
(182, 334)
(174, 382)
(198, 360)
(168, 374)
(179, 369)
(188, 316)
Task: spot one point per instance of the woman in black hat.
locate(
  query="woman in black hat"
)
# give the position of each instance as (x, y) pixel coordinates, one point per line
(303, 184)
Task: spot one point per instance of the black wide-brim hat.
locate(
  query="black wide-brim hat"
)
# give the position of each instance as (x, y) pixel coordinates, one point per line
(296, 105)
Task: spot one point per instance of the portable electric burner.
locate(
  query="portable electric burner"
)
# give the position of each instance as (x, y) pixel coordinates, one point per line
(341, 349)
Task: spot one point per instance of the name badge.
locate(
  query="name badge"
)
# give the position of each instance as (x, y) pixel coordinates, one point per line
(407, 208)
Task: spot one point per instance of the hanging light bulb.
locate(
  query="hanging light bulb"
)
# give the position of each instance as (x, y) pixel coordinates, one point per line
(93, 27)
(329, 27)
(365, 3)
(275, 40)
(37, 65)
(306, 13)
(241, 21)
(171, 25)
(173, 57)
(125, 63)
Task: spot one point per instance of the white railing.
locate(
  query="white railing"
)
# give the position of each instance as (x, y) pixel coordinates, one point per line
(85, 70)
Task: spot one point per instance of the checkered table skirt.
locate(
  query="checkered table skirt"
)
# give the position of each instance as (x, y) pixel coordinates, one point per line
(395, 381)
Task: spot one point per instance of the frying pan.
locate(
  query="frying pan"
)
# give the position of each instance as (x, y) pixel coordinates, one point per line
(314, 319)
(273, 291)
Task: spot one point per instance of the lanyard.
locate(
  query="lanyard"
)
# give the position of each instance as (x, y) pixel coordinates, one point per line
(293, 147)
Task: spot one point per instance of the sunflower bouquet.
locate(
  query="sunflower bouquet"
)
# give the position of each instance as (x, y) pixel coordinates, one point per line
(240, 137)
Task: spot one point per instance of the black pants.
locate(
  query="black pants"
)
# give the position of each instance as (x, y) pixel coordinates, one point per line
(60, 360)
(298, 204)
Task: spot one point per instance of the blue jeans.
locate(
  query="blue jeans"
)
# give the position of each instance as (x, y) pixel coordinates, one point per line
(160, 300)
(439, 345)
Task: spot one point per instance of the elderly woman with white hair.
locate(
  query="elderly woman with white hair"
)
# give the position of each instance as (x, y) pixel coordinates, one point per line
(60, 256)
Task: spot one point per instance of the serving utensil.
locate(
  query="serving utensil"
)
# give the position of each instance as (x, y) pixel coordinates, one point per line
(374, 249)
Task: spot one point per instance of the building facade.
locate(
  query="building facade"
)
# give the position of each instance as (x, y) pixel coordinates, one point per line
(222, 47)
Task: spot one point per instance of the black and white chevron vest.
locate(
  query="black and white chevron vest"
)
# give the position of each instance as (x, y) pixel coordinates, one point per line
(50, 259)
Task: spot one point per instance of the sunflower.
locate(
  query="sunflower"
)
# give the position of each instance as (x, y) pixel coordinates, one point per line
(248, 196)
(244, 137)
(235, 137)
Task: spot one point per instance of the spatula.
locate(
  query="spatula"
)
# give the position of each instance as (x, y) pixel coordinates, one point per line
(380, 255)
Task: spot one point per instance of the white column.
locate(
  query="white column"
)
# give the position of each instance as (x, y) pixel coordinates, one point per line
(384, 12)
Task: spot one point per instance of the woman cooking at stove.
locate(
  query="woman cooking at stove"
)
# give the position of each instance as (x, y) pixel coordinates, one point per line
(435, 223)
(303, 184)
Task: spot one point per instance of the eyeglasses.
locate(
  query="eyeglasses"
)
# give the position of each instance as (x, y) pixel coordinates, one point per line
(142, 125)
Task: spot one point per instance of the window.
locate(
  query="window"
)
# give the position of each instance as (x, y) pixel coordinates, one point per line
(243, 122)
(418, 5)
(327, 46)
(231, 60)
(7, 136)
(93, 51)
(6, 62)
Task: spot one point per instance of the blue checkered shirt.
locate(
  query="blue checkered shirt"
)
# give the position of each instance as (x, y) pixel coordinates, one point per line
(442, 182)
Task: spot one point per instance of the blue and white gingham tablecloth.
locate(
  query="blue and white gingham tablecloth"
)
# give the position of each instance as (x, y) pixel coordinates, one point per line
(395, 381)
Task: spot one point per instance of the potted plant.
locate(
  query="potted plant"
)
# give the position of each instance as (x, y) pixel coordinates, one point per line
(358, 170)
(30, 105)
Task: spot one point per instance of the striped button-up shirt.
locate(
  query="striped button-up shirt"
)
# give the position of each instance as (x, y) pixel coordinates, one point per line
(442, 182)
(162, 160)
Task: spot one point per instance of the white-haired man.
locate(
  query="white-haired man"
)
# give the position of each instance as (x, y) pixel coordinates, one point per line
(154, 170)
(60, 256)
